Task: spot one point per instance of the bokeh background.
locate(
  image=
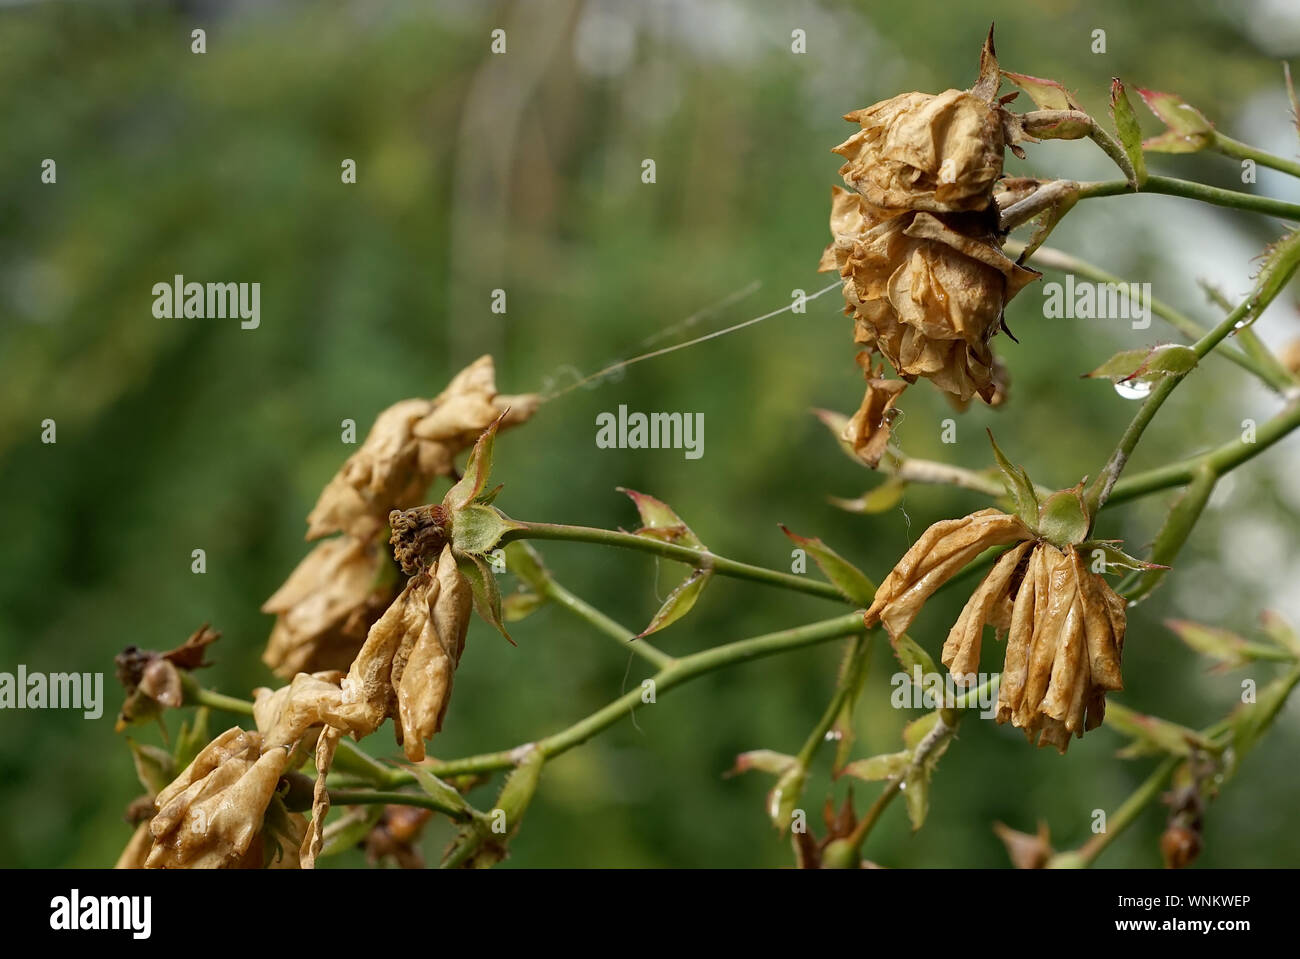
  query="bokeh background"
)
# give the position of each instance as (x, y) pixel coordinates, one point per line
(522, 171)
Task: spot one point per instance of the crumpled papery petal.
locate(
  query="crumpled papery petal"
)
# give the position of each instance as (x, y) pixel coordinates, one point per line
(937, 556)
(327, 605)
(867, 432)
(211, 814)
(919, 151)
(926, 292)
(412, 443)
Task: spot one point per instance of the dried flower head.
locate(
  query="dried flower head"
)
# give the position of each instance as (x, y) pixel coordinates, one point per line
(154, 681)
(918, 244)
(411, 444)
(1027, 851)
(925, 292)
(406, 666)
(327, 605)
(921, 152)
(212, 815)
(1064, 625)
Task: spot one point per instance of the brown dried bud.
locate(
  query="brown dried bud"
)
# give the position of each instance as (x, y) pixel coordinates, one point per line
(327, 605)
(418, 535)
(1026, 851)
(412, 443)
(925, 292)
(396, 837)
(921, 152)
(153, 681)
(1179, 846)
(867, 432)
(213, 812)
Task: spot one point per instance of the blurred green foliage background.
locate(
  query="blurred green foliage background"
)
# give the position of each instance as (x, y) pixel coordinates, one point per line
(522, 171)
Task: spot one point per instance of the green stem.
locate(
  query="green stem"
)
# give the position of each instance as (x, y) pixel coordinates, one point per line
(1195, 191)
(681, 671)
(370, 797)
(845, 687)
(1244, 151)
(1173, 534)
(1222, 459)
(1121, 818)
(588, 613)
(1272, 373)
(196, 694)
(683, 554)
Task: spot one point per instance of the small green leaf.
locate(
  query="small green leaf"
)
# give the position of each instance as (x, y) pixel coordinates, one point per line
(1046, 94)
(916, 730)
(910, 655)
(1146, 364)
(884, 497)
(1227, 647)
(1019, 486)
(878, 768)
(349, 829)
(520, 605)
(679, 602)
(844, 576)
(1281, 633)
(659, 521)
(851, 677)
(1152, 735)
(784, 797)
(154, 767)
(476, 529)
(526, 563)
(477, 470)
(916, 793)
(762, 760)
(1188, 131)
(1063, 519)
(1113, 557)
(1130, 136)
(1251, 720)
(452, 803)
(483, 584)
(193, 737)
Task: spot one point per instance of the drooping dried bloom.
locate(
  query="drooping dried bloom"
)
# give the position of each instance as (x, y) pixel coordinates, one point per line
(925, 292)
(867, 432)
(327, 605)
(153, 681)
(213, 812)
(935, 558)
(406, 666)
(411, 444)
(921, 152)
(1064, 625)
(918, 244)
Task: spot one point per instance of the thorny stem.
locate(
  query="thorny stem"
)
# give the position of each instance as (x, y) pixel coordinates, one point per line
(1263, 364)
(1172, 186)
(681, 671)
(845, 688)
(683, 554)
(1281, 268)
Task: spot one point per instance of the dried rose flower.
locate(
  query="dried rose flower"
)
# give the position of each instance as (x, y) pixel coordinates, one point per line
(411, 444)
(925, 292)
(327, 605)
(1063, 624)
(918, 245)
(405, 668)
(921, 152)
(212, 815)
(867, 431)
(154, 681)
